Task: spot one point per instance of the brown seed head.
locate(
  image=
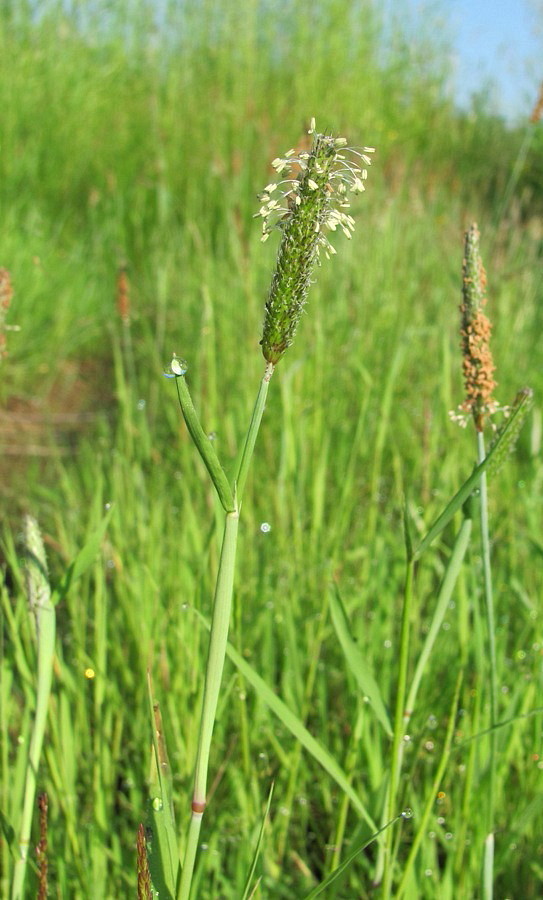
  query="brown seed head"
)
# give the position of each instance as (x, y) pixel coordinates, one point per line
(123, 295)
(478, 366)
(145, 891)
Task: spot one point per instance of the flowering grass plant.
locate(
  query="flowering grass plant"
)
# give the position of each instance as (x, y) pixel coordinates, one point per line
(305, 208)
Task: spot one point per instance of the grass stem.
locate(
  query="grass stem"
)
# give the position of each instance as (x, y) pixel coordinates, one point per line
(252, 433)
(395, 765)
(222, 606)
(493, 682)
(215, 663)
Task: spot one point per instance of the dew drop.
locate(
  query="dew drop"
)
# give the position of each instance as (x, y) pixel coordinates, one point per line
(265, 527)
(178, 366)
(157, 804)
(141, 404)
(407, 813)
(107, 506)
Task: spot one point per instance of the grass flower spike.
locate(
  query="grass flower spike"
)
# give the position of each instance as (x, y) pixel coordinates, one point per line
(307, 205)
(477, 365)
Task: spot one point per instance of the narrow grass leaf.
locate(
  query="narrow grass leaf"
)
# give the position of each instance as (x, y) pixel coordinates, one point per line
(298, 730)
(472, 482)
(445, 592)
(40, 603)
(347, 863)
(251, 872)
(84, 559)
(162, 848)
(432, 794)
(355, 660)
(204, 446)
(505, 723)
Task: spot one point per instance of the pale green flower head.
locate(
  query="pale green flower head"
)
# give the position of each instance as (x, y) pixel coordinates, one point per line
(310, 201)
(36, 574)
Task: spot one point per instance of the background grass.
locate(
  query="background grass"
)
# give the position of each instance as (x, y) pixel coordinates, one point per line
(137, 139)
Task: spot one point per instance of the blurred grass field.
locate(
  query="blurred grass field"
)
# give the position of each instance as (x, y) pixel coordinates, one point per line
(137, 141)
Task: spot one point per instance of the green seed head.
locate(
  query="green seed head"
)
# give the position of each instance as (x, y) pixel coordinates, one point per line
(36, 575)
(305, 207)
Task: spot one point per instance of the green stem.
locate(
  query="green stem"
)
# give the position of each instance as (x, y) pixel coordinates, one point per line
(506, 435)
(215, 664)
(489, 606)
(398, 726)
(443, 599)
(252, 433)
(222, 604)
(430, 802)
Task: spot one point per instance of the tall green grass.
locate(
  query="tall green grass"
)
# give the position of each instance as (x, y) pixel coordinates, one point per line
(121, 149)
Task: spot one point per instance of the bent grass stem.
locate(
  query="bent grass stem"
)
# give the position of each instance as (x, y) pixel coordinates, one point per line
(222, 605)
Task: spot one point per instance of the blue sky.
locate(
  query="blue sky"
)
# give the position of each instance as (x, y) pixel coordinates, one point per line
(499, 41)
